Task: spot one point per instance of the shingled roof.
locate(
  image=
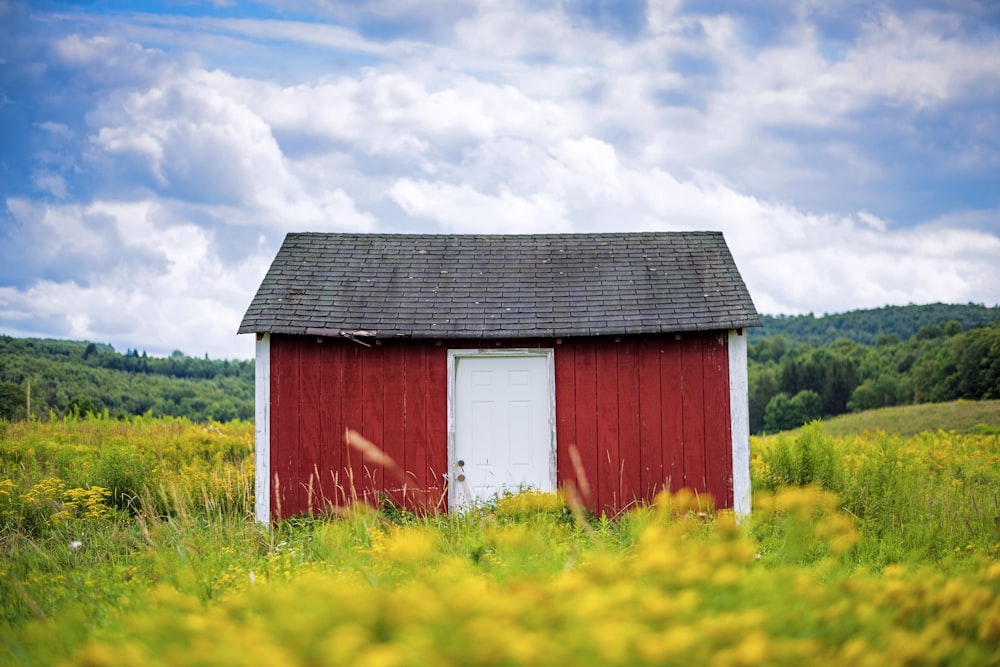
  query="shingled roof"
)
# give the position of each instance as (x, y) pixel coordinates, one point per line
(500, 286)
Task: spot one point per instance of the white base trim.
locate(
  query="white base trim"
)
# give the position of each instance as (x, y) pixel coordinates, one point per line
(739, 416)
(262, 422)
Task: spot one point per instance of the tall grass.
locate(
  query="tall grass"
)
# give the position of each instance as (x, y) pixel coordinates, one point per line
(134, 543)
(933, 497)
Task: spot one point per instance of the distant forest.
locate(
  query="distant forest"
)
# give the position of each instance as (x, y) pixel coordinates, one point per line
(803, 368)
(800, 368)
(84, 377)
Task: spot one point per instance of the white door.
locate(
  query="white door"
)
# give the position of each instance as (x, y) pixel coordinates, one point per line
(503, 425)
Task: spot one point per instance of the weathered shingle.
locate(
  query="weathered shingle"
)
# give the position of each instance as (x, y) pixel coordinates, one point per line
(501, 286)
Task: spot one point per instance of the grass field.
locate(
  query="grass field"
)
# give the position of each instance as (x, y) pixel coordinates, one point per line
(958, 416)
(132, 543)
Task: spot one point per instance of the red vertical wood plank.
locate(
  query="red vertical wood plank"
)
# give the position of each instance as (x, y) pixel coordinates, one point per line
(392, 431)
(351, 403)
(651, 477)
(608, 471)
(693, 399)
(586, 420)
(565, 388)
(437, 421)
(415, 427)
(331, 423)
(629, 449)
(372, 416)
(284, 426)
(277, 432)
(672, 414)
(310, 406)
(718, 428)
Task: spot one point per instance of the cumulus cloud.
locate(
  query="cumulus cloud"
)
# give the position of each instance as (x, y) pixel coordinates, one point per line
(460, 208)
(203, 145)
(104, 63)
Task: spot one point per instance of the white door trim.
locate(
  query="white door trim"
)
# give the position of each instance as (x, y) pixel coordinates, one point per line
(453, 356)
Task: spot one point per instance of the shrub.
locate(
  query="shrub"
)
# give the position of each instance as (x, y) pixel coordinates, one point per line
(808, 458)
(126, 474)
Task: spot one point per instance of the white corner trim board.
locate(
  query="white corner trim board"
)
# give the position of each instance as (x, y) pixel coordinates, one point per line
(262, 437)
(739, 415)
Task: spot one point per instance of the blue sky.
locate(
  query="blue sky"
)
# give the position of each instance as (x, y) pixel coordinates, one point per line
(154, 154)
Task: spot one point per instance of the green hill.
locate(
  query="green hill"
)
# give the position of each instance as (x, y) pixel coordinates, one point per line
(958, 416)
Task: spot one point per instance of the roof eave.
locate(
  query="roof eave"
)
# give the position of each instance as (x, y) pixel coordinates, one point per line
(498, 332)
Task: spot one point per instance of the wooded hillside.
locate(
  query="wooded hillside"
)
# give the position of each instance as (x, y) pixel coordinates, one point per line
(91, 377)
(791, 384)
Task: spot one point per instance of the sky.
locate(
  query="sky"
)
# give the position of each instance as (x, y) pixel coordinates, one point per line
(154, 154)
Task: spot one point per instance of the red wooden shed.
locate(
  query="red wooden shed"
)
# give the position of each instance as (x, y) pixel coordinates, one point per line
(481, 363)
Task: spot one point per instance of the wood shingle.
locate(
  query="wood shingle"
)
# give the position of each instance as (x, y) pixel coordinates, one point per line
(500, 286)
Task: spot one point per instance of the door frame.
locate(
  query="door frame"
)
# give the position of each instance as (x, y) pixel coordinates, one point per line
(453, 356)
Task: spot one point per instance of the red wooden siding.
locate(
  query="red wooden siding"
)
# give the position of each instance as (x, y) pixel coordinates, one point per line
(645, 412)
(641, 413)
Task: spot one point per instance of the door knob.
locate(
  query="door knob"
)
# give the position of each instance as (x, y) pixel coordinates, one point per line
(461, 463)
(460, 477)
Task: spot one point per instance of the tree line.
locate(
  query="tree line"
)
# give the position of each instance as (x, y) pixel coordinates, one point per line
(867, 326)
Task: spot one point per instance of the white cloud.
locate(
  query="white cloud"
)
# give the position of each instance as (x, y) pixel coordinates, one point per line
(789, 118)
(111, 61)
(394, 113)
(195, 140)
(56, 129)
(74, 49)
(58, 233)
(460, 208)
(202, 144)
(860, 269)
(296, 31)
(500, 29)
(126, 318)
(50, 182)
